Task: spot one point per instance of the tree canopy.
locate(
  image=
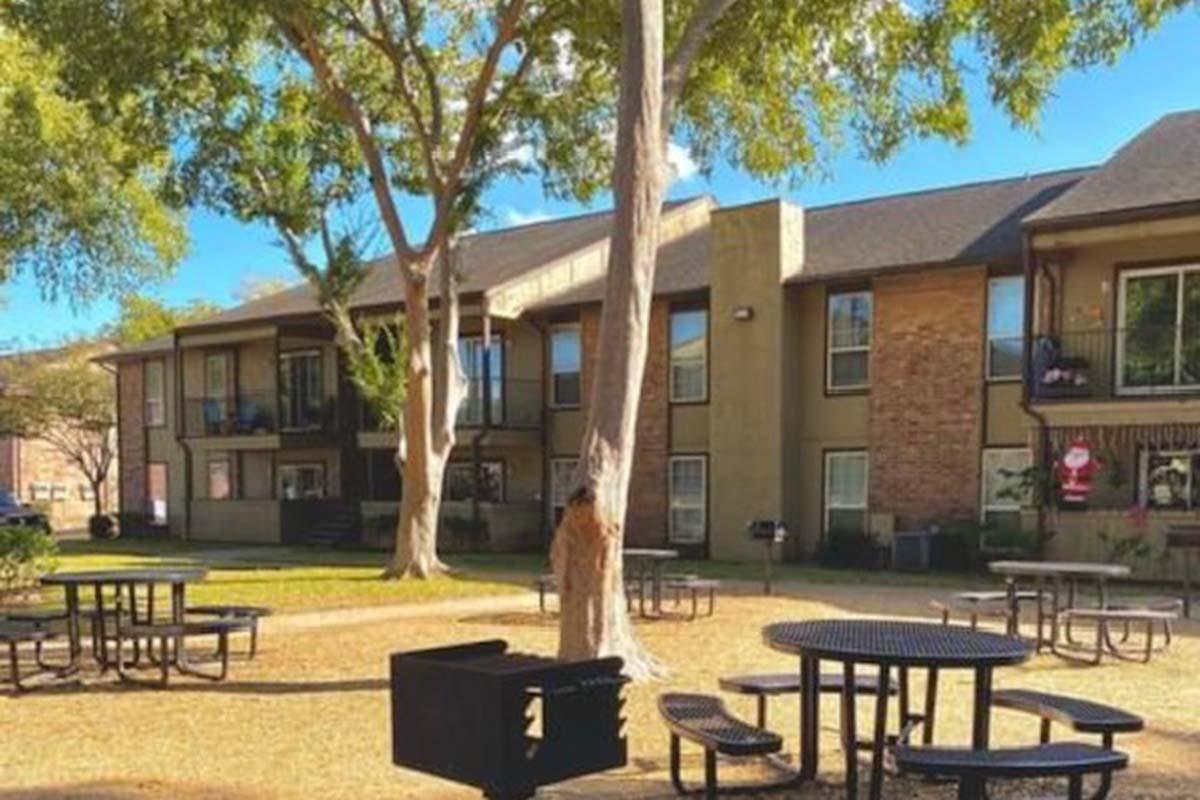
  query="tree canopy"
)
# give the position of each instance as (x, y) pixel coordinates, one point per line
(143, 318)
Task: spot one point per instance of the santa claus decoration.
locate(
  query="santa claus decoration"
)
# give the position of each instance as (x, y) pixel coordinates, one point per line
(1076, 470)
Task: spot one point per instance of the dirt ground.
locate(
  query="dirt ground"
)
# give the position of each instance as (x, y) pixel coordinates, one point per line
(309, 718)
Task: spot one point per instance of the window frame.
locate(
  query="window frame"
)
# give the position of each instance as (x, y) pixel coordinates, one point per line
(298, 393)
(1179, 270)
(319, 466)
(159, 402)
(826, 474)
(1143, 477)
(702, 459)
(672, 395)
(1005, 508)
(831, 351)
(218, 461)
(989, 337)
(554, 400)
(499, 380)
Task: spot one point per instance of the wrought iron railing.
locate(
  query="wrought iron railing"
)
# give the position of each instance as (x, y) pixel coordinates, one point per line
(513, 403)
(1110, 362)
(255, 413)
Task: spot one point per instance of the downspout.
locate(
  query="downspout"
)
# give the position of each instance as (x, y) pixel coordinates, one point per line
(1030, 264)
(181, 439)
(486, 424)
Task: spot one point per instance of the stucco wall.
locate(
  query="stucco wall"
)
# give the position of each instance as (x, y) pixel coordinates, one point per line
(236, 521)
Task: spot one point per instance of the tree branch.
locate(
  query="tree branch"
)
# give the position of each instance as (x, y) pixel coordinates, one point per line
(422, 56)
(679, 63)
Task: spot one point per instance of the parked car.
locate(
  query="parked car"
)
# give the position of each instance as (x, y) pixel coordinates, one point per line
(14, 512)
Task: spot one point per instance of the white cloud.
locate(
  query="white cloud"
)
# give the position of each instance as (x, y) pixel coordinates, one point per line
(680, 163)
(511, 217)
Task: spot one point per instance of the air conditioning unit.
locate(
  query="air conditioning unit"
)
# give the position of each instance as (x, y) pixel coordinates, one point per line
(910, 550)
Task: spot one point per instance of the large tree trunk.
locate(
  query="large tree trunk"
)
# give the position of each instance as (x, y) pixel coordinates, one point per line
(587, 545)
(436, 389)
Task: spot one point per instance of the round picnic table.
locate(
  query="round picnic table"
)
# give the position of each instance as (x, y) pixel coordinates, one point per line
(887, 645)
(649, 560)
(1059, 574)
(118, 580)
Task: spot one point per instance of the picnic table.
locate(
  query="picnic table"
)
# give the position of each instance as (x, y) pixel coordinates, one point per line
(1058, 573)
(118, 580)
(887, 645)
(649, 561)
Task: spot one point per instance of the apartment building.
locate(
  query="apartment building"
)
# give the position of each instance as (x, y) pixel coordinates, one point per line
(874, 366)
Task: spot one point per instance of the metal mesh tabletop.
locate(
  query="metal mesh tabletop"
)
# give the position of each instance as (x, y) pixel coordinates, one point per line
(900, 643)
(126, 576)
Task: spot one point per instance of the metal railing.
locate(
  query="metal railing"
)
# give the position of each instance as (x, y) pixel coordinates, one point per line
(256, 413)
(514, 403)
(1110, 362)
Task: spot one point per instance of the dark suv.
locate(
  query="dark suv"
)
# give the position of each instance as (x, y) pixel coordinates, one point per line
(13, 512)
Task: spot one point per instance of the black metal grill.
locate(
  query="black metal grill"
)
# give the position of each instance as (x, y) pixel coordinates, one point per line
(466, 713)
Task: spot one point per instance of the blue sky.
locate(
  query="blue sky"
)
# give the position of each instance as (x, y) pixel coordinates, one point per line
(1091, 114)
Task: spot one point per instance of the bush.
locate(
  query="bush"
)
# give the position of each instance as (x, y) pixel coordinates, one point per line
(850, 549)
(25, 555)
(102, 526)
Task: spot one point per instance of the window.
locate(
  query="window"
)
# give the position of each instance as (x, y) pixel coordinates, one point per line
(689, 356)
(301, 404)
(154, 390)
(1170, 479)
(849, 317)
(846, 492)
(301, 481)
(561, 470)
(39, 490)
(687, 499)
(383, 479)
(1159, 342)
(471, 352)
(1002, 471)
(1006, 327)
(86, 492)
(220, 479)
(460, 481)
(60, 492)
(218, 406)
(565, 361)
(156, 493)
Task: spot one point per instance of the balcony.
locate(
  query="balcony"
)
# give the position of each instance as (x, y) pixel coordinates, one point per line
(516, 404)
(1104, 363)
(254, 414)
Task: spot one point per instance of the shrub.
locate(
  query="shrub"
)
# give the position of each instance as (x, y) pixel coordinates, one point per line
(102, 526)
(850, 549)
(25, 555)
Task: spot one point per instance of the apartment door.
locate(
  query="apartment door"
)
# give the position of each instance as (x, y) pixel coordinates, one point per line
(300, 400)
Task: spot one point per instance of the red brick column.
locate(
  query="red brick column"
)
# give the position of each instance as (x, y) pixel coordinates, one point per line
(131, 451)
(926, 404)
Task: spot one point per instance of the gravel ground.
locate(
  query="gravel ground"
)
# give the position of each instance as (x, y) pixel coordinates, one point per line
(309, 717)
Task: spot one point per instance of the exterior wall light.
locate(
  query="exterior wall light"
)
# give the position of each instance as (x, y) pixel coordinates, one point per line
(743, 313)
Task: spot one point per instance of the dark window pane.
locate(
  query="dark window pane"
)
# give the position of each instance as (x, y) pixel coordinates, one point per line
(1005, 359)
(1149, 335)
(566, 389)
(1167, 479)
(847, 521)
(1190, 335)
(848, 370)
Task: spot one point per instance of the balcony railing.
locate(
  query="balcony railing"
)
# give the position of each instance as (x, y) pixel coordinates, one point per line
(1110, 362)
(514, 403)
(258, 413)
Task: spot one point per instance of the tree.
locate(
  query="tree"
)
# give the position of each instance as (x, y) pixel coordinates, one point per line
(63, 399)
(143, 318)
(255, 287)
(774, 87)
(80, 206)
(426, 99)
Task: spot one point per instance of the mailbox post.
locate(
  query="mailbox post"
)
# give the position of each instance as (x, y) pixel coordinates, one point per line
(769, 532)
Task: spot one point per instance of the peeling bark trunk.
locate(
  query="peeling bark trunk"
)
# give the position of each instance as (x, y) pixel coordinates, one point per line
(587, 546)
(436, 389)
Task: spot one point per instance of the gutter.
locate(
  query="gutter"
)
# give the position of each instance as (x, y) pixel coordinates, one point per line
(486, 425)
(1043, 434)
(181, 440)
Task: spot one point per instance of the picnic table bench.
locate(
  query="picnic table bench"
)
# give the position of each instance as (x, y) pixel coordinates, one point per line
(1102, 618)
(766, 685)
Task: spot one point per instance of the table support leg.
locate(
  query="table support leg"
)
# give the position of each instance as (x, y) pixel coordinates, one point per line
(74, 636)
(849, 731)
(931, 687)
(980, 729)
(810, 709)
(879, 743)
(100, 629)
(1014, 606)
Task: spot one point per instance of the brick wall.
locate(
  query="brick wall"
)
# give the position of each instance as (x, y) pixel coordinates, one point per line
(132, 452)
(926, 401)
(8, 463)
(646, 518)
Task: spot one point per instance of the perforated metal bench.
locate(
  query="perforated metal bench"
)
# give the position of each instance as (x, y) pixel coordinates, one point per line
(13, 635)
(1101, 619)
(249, 614)
(704, 720)
(768, 685)
(1082, 716)
(973, 768)
(693, 584)
(172, 639)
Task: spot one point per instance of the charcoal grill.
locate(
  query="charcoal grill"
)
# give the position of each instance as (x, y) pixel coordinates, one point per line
(467, 713)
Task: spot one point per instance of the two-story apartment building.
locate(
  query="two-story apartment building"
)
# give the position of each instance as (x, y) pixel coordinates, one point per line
(876, 365)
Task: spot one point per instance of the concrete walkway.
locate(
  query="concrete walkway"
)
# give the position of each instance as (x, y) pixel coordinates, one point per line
(362, 615)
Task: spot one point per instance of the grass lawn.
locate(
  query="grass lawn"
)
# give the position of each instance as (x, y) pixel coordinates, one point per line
(310, 717)
(309, 578)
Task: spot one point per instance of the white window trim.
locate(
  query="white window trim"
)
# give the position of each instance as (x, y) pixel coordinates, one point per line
(1176, 386)
(703, 461)
(556, 327)
(831, 351)
(1143, 476)
(673, 394)
(574, 461)
(990, 338)
(999, 508)
(825, 502)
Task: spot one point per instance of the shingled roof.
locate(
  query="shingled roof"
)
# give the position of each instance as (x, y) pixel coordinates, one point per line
(1159, 167)
(976, 223)
(490, 259)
